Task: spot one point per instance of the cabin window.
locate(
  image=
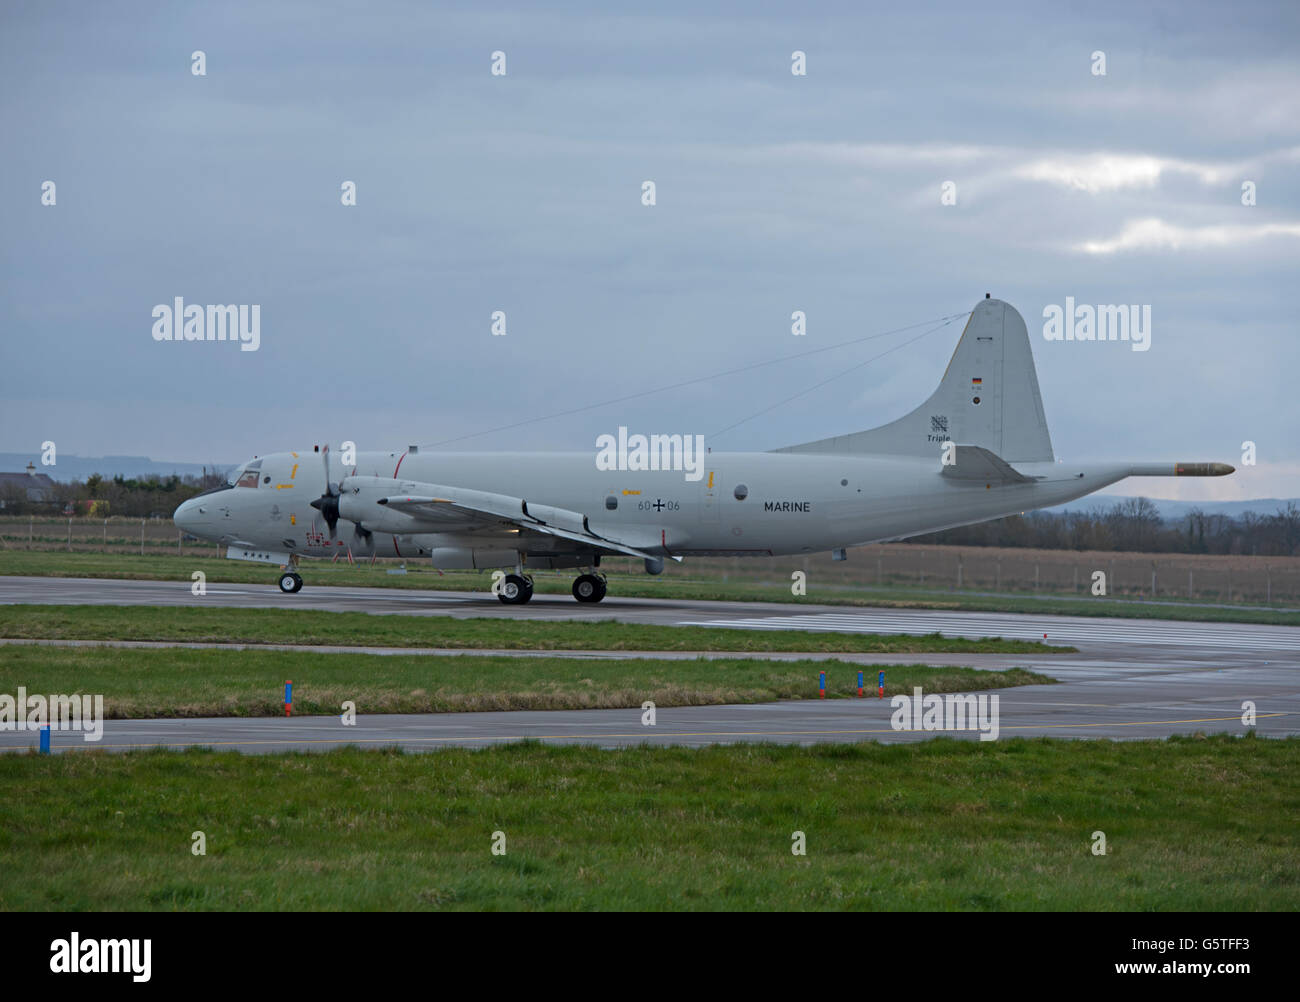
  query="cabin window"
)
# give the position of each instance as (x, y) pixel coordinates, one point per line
(741, 492)
(611, 502)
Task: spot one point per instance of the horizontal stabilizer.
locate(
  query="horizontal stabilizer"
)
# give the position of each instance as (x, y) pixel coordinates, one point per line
(970, 462)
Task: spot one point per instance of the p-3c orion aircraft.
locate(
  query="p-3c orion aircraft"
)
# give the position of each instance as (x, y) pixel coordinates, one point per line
(978, 449)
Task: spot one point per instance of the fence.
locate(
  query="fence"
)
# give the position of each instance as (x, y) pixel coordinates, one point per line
(158, 536)
(1239, 579)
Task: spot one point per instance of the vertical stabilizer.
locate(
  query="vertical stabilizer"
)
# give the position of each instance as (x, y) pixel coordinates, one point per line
(988, 397)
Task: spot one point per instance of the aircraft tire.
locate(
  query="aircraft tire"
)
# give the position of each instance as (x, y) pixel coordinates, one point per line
(290, 583)
(515, 590)
(589, 588)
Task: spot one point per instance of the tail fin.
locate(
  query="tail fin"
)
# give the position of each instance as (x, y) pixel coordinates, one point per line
(988, 397)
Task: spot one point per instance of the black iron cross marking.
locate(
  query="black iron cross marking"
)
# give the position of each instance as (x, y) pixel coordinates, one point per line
(659, 505)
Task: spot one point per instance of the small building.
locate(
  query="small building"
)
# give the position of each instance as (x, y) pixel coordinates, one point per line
(33, 486)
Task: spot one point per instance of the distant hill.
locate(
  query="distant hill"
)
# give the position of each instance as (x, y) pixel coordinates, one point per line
(1177, 510)
(80, 467)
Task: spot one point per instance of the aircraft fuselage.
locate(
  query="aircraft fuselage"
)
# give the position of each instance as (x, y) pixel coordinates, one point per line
(744, 504)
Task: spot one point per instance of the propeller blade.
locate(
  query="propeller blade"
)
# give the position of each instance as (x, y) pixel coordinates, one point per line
(328, 503)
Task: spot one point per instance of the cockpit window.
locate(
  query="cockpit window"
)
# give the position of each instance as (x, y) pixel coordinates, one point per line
(249, 474)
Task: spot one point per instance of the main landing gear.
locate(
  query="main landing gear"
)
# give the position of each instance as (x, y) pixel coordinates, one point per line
(589, 588)
(515, 589)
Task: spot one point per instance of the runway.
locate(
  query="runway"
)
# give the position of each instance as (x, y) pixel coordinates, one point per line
(1113, 636)
(1130, 678)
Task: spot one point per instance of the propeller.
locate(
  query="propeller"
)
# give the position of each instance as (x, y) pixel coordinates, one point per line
(328, 503)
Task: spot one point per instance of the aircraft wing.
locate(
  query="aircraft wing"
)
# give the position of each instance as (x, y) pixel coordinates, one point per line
(482, 508)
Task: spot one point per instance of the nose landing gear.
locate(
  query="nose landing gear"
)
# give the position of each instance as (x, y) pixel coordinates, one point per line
(290, 582)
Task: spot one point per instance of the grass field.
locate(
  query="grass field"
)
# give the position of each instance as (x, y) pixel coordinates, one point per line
(697, 580)
(188, 683)
(1190, 824)
(313, 626)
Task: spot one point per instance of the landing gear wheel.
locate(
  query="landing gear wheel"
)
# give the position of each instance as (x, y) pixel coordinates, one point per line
(290, 582)
(515, 590)
(589, 588)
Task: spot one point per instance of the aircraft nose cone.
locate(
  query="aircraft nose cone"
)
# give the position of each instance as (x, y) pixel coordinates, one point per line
(188, 516)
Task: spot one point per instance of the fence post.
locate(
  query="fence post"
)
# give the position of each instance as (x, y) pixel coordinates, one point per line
(30, 524)
(142, 537)
(69, 534)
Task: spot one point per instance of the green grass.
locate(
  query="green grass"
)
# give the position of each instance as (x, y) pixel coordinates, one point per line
(1191, 824)
(185, 683)
(679, 583)
(361, 629)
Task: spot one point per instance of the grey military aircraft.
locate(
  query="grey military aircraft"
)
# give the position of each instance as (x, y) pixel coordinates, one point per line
(977, 449)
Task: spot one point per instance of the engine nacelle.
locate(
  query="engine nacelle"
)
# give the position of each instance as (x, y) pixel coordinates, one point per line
(463, 558)
(359, 502)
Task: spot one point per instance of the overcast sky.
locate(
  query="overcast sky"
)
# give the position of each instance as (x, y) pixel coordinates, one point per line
(523, 193)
